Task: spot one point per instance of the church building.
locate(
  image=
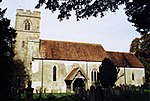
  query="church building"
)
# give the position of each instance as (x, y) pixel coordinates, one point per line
(62, 66)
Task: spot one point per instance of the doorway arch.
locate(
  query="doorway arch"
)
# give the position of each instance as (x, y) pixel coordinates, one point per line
(78, 84)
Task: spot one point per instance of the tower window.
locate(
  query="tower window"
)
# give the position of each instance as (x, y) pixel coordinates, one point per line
(54, 73)
(27, 25)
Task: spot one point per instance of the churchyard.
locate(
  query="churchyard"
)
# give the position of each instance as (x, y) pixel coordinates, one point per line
(122, 93)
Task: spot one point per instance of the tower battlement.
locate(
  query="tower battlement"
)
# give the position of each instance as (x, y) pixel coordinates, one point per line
(29, 13)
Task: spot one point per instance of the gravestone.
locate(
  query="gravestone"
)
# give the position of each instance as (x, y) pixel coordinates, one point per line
(84, 94)
(29, 92)
(81, 93)
(133, 89)
(117, 91)
(77, 91)
(123, 90)
(92, 93)
(130, 88)
(141, 89)
(98, 94)
(45, 89)
(87, 98)
(37, 89)
(112, 91)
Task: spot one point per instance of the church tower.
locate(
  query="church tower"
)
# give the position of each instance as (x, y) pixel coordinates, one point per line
(27, 41)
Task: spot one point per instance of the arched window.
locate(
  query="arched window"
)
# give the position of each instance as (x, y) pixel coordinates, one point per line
(27, 25)
(94, 75)
(54, 73)
(132, 76)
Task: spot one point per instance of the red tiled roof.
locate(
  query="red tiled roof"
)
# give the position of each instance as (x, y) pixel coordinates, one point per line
(121, 59)
(74, 51)
(60, 50)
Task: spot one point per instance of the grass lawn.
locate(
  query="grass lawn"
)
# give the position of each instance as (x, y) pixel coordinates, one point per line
(73, 97)
(56, 97)
(146, 90)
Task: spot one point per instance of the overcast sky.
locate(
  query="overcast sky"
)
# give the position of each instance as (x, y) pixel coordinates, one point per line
(113, 31)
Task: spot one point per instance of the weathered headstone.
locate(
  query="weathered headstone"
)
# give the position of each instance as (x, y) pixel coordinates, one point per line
(45, 90)
(133, 89)
(127, 92)
(112, 91)
(37, 89)
(77, 91)
(98, 94)
(141, 89)
(80, 93)
(123, 89)
(117, 91)
(130, 87)
(19, 94)
(92, 93)
(84, 94)
(29, 92)
(87, 98)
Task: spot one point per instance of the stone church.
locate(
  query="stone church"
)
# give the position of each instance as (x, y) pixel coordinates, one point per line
(61, 66)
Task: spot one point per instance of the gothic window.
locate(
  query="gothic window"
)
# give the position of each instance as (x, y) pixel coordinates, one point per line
(27, 25)
(54, 73)
(94, 75)
(132, 76)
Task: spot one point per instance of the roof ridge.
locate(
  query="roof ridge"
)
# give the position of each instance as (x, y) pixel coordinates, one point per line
(65, 41)
(119, 52)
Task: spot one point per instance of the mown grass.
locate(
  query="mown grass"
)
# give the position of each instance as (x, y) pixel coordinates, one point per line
(56, 97)
(72, 97)
(147, 90)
